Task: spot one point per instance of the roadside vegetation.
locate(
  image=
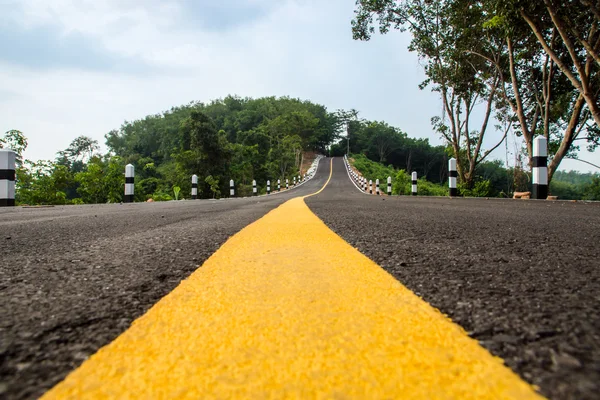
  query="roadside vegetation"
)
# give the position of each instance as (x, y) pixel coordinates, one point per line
(502, 67)
(232, 138)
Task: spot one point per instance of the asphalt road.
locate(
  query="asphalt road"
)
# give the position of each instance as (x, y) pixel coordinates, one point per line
(522, 277)
(73, 278)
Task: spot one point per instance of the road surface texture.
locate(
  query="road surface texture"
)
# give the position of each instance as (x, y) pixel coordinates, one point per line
(522, 277)
(73, 278)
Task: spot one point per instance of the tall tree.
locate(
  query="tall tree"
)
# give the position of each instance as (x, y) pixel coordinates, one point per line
(442, 32)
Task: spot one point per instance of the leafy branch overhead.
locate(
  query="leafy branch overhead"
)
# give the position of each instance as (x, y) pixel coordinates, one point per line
(534, 67)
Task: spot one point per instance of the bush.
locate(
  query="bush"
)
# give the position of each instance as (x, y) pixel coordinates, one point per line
(426, 188)
(401, 180)
(161, 196)
(402, 183)
(481, 188)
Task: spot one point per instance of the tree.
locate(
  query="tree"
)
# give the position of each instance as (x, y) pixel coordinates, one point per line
(81, 149)
(343, 119)
(442, 33)
(535, 86)
(17, 142)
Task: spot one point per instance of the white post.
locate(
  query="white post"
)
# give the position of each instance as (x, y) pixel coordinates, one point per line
(268, 187)
(254, 191)
(231, 188)
(294, 181)
(414, 183)
(370, 186)
(540, 168)
(287, 183)
(194, 187)
(389, 187)
(8, 162)
(129, 183)
(377, 187)
(452, 176)
(279, 185)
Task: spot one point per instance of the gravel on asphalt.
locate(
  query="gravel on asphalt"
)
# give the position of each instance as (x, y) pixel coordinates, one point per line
(522, 277)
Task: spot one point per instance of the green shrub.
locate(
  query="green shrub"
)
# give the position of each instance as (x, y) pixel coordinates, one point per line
(481, 188)
(161, 196)
(426, 188)
(402, 183)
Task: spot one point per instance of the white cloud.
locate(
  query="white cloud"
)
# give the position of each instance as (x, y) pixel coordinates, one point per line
(301, 48)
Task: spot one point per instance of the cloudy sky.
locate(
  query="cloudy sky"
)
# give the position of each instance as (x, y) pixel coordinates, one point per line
(82, 67)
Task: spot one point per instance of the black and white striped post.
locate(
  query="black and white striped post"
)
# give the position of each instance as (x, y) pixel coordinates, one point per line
(370, 186)
(8, 162)
(268, 187)
(287, 183)
(365, 184)
(540, 168)
(129, 183)
(294, 184)
(279, 185)
(231, 188)
(452, 177)
(389, 189)
(194, 187)
(304, 177)
(254, 191)
(377, 187)
(414, 184)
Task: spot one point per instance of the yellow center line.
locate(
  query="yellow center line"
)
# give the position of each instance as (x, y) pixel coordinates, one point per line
(287, 309)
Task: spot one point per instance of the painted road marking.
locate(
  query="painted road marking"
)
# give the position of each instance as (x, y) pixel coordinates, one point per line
(287, 309)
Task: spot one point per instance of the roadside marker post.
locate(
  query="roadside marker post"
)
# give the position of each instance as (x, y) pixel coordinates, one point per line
(540, 168)
(8, 162)
(294, 184)
(129, 183)
(279, 185)
(414, 184)
(231, 188)
(377, 187)
(364, 182)
(194, 187)
(389, 186)
(452, 177)
(268, 187)
(287, 183)
(370, 186)
(254, 191)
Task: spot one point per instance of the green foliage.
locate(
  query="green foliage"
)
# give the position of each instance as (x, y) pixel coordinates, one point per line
(426, 188)
(591, 191)
(213, 184)
(16, 141)
(565, 190)
(402, 183)
(401, 180)
(102, 181)
(176, 190)
(482, 188)
(161, 196)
